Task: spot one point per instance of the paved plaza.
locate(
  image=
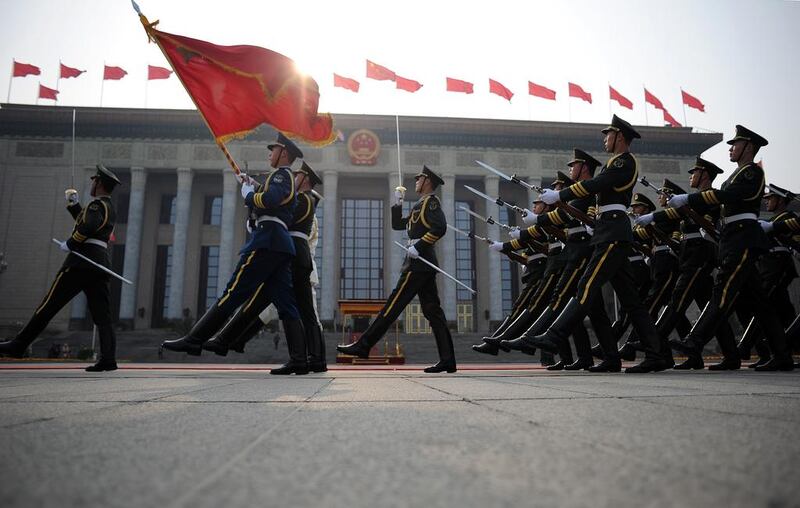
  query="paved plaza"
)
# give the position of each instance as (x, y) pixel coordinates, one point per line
(173, 435)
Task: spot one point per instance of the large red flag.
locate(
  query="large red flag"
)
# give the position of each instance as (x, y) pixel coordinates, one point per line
(154, 72)
(621, 99)
(23, 69)
(379, 72)
(238, 88)
(496, 87)
(348, 83)
(47, 93)
(670, 120)
(110, 72)
(693, 102)
(541, 91)
(456, 85)
(409, 85)
(652, 99)
(580, 93)
(70, 72)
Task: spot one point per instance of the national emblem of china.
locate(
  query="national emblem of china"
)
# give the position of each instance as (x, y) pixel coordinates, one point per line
(363, 147)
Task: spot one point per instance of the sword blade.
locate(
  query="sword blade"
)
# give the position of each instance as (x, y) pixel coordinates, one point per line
(499, 173)
(439, 270)
(481, 194)
(97, 265)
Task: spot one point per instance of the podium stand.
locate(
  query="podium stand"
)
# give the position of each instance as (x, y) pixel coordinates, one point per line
(382, 353)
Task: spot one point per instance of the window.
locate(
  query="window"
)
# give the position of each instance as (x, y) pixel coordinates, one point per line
(161, 284)
(506, 275)
(167, 281)
(166, 214)
(212, 210)
(361, 249)
(465, 267)
(209, 270)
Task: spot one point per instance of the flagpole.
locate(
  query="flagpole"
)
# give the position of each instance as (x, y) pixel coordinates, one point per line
(569, 110)
(646, 122)
(146, 87)
(685, 123)
(609, 98)
(58, 79)
(399, 169)
(10, 79)
(102, 83)
(38, 92)
(72, 185)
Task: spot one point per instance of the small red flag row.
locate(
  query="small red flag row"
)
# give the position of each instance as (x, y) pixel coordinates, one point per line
(20, 70)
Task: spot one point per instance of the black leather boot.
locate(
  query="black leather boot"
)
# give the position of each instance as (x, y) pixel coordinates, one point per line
(486, 348)
(13, 348)
(229, 333)
(692, 362)
(777, 363)
(108, 350)
(515, 329)
(546, 359)
(246, 336)
(647, 365)
(559, 365)
(447, 356)
(597, 352)
(315, 343)
(761, 361)
(607, 365)
(202, 330)
(296, 343)
(524, 342)
(580, 364)
(358, 348)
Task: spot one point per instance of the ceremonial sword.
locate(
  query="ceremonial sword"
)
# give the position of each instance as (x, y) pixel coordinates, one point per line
(568, 208)
(686, 210)
(487, 220)
(120, 277)
(511, 255)
(420, 258)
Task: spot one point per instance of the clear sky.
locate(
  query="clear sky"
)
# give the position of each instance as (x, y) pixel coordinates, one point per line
(738, 57)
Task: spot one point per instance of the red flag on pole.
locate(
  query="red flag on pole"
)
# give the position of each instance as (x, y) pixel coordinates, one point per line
(652, 99)
(456, 85)
(498, 88)
(409, 85)
(348, 83)
(23, 69)
(693, 102)
(154, 72)
(70, 72)
(670, 120)
(580, 93)
(47, 93)
(379, 72)
(541, 91)
(110, 72)
(621, 99)
(238, 88)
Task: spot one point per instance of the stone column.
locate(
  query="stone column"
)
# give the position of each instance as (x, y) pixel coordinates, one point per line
(491, 186)
(227, 250)
(133, 243)
(395, 255)
(330, 257)
(447, 250)
(183, 201)
(78, 309)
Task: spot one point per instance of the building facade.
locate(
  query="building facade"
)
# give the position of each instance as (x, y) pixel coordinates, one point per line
(181, 220)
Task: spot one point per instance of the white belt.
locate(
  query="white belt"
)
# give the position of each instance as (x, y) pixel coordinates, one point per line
(540, 256)
(610, 208)
(660, 248)
(636, 258)
(779, 249)
(576, 229)
(298, 234)
(265, 218)
(690, 236)
(555, 245)
(95, 241)
(738, 217)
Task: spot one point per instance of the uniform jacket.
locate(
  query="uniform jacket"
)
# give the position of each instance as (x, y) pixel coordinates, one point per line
(300, 229)
(276, 198)
(425, 226)
(95, 221)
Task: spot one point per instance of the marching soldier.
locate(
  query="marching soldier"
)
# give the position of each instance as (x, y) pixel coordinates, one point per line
(264, 263)
(425, 226)
(611, 242)
(742, 241)
(776, 269)
(90, 235)
(535, 263)
(246, 323)
(578, 252)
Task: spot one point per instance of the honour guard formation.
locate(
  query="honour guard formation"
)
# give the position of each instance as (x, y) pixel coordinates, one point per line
(590, 227)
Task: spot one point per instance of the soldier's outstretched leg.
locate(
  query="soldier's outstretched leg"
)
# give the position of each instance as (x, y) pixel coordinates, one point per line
(432, 310)
(98, 299)
(296, 344)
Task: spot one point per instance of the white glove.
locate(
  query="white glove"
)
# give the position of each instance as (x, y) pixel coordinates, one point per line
(678, 200)
(549, 196)
(530, 218)
(590, 230)
(514, 233)
(72, 196)
(703, 234)
(247, 226)
(63, 246)
(644, 220)
(243, 178)
(766, 225)
(247, 188)
(496, 246)
(398, 196)
(413, 252)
